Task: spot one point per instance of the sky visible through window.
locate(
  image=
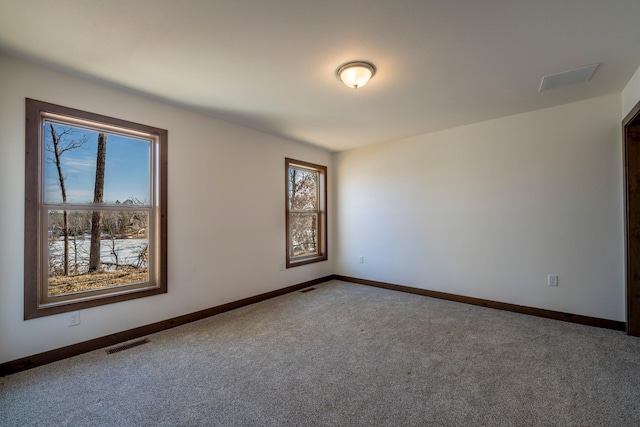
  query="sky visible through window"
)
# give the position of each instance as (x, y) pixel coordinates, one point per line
(126, 172)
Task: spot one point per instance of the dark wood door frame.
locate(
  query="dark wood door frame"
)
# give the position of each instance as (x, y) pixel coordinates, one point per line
(631, 138)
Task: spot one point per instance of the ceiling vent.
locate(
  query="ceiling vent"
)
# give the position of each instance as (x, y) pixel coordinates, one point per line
(568, 78)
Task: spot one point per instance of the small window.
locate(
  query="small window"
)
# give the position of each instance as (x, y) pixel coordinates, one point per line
(95, 210)
(306, 193)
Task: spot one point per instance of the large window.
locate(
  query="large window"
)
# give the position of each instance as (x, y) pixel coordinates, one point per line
(306, 192)
(95, 210)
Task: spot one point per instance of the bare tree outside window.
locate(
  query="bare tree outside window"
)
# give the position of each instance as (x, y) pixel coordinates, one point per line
(98, 192)
(58, 143)
(303, 210)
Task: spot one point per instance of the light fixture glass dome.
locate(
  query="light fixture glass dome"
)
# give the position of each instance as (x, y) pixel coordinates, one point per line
(356, 74)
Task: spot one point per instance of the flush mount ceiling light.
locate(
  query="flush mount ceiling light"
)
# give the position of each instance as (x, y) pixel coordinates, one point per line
(356, 74)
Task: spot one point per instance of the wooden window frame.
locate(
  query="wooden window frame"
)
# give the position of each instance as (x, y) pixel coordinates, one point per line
(322, 253)
(35, 305)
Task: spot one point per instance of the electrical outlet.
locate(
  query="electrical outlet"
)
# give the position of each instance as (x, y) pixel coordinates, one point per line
(73, 319)
(361, 259)
(552, 280)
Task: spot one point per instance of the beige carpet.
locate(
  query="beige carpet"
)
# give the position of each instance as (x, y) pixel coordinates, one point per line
(344, 355)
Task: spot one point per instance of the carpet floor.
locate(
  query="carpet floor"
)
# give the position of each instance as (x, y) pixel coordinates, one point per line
(344, 355)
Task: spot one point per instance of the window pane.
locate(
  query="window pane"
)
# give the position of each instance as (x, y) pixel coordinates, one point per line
(127, 171)
(303, 232)
(70, 166)
(70, 163)
(121, 256)
(303, 193)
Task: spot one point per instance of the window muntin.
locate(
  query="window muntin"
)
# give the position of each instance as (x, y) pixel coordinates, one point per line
(306, 195)
(88, 244)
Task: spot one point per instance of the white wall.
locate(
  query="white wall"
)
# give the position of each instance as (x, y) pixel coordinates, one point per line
(226, 229)
(488, 210)
(631, 93)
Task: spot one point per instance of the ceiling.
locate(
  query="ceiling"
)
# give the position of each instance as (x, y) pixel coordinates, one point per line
(270, 64)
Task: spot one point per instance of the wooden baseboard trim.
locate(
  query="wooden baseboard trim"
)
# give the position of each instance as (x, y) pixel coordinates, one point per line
(40, 359)
(550, 314)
